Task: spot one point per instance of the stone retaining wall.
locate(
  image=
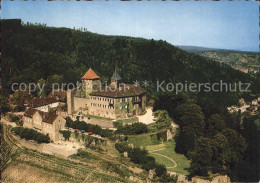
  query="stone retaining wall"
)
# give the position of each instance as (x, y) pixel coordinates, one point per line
(53, 149)
(95, 121)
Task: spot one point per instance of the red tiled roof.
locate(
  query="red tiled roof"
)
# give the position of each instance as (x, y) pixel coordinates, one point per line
(90, 74)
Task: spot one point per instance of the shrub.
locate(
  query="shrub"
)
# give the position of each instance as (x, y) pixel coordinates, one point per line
(69, 122)
(122, 147)
(149, 163)
(14, 118)
(160, 170)
(66, 134)
(137, 155)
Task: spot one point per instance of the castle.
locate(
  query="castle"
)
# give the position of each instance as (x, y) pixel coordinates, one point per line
(118, 100)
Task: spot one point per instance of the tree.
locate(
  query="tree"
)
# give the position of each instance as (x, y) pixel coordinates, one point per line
(248, 171)
(162, 119)
(201, 157)
(190, 110)
(54, 82)
(185, 140)
(221, 153)
(236, 143)
(191, 121)
(4, 104)
(215, 124)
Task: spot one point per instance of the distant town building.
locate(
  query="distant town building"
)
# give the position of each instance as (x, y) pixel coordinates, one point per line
(117, 100)
(44, 122)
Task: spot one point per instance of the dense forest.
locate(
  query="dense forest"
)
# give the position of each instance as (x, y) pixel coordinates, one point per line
(36, 53)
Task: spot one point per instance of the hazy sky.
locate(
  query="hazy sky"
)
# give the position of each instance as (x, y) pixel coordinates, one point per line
(227, 25)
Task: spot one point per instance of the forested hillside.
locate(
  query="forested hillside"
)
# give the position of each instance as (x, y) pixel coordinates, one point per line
(34, 52)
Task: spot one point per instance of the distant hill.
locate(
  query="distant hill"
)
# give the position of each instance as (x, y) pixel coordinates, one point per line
(195, 49)
(244, 61)
(247, 62)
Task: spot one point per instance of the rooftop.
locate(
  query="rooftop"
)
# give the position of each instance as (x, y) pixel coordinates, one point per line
(37, 102)
(116, 76)
(90, 74)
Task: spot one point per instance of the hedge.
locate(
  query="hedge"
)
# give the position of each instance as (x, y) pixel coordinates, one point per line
(133, 129)
(30, 134)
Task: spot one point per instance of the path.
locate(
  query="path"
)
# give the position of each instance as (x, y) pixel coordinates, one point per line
(148, 117)
(154, 152)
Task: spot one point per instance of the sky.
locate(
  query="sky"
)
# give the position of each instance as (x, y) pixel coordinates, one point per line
(226, 25)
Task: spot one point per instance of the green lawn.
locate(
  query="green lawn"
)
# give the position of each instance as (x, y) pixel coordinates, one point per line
(181, 160)
(125, 121)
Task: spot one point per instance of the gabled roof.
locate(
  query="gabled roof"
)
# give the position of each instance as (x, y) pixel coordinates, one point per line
(116, 76)
(90, 74)
(46, 116)
(30, 112)
(37, 102)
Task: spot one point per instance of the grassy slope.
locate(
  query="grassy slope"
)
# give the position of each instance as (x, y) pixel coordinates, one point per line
(181, 160)
(151, 144)
(142, 140)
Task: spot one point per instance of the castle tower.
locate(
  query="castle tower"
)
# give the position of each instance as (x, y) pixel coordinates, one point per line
(89, 80)
(115, 79)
